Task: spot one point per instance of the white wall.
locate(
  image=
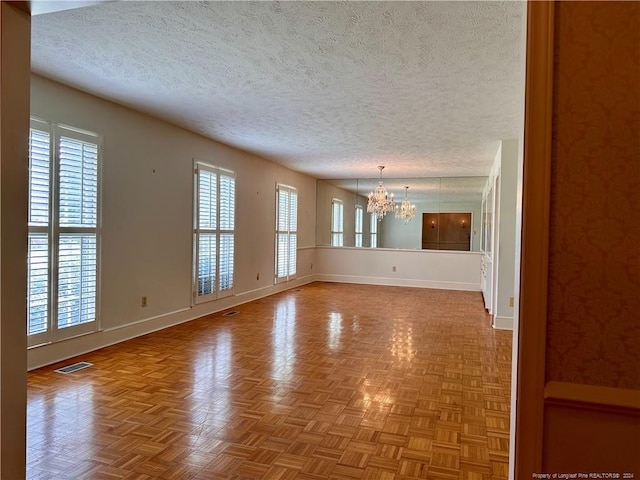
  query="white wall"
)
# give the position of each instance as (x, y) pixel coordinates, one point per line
(414, 268)
(147, 193)
(506, 253)
(502, 261)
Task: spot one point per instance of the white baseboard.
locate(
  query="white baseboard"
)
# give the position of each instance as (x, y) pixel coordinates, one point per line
(503, 323)
(48, 354)
(399, 282)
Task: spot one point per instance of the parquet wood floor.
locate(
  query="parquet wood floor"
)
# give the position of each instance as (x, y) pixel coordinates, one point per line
(330, 381)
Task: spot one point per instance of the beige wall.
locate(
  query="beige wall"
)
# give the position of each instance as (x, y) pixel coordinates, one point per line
(147, 194)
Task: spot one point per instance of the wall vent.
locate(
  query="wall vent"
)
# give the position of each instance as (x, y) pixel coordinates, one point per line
(74, 368)
(231, 313)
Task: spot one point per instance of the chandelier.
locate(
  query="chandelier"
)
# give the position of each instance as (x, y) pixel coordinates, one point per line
(380, 202)
(406, 211)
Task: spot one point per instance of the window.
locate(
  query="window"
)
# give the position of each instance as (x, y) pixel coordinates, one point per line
(359, 216)
(286, 232)
(214, 232)
(63, 218)
(337, 223)
(373, 225)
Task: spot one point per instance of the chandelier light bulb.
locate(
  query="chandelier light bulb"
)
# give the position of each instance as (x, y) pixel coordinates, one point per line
(406, 211)
(380, 202)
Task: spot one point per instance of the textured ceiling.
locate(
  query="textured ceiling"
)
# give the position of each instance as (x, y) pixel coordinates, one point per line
(332, 89)
(436, 190)
(40, 7)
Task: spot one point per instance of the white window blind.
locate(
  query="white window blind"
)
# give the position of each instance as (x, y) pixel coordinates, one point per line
(39, 177)
(286, 232)
(76, 279)
(373, 225)
(227, 227)
(214, 232)
(358, 225)
(337, 223)
(63, 251)
(38, 287)
(78, 188)
(38, 284)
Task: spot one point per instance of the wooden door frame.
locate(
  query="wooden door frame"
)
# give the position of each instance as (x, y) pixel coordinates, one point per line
(530, 331)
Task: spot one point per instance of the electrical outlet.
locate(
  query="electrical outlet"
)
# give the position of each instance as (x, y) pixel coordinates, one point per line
(393, 269)
(511, 301)
(144, 301)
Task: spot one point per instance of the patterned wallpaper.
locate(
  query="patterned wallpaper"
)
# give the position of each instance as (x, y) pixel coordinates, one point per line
(594, 265)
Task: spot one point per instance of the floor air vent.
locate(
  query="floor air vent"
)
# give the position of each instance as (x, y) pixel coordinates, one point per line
(73, 368)
(230, 314)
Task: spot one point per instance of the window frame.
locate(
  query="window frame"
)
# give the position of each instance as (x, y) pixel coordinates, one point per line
(335, 232)
(218, 231)
(358, 226)
(289, 232)
(373, 233)
(54, 231)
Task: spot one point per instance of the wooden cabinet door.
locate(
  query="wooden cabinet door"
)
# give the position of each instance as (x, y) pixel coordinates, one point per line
(446, 231)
